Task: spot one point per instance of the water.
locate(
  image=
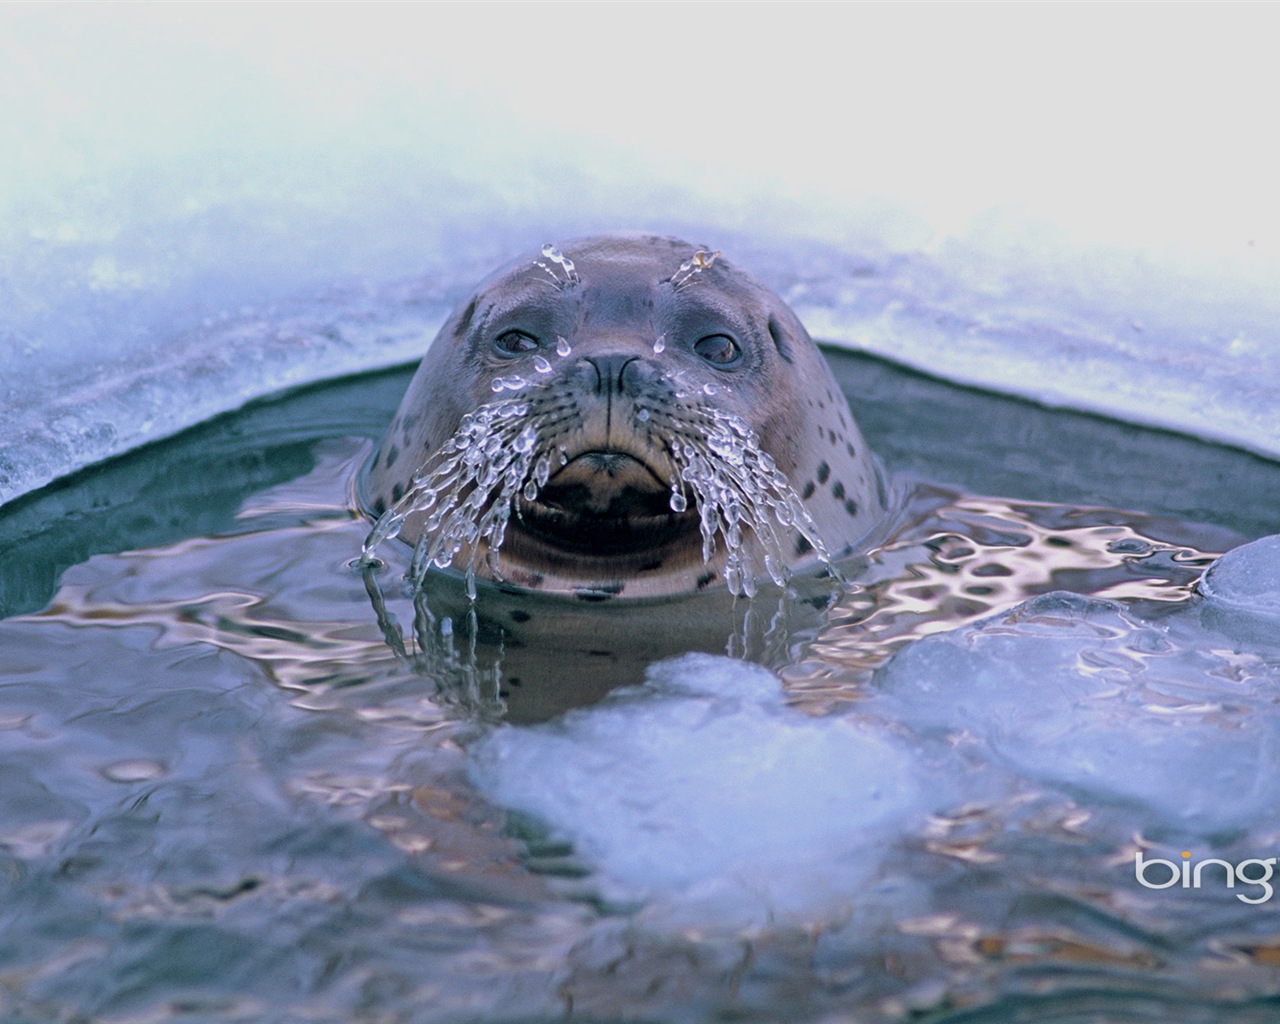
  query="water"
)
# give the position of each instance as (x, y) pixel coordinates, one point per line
(229, 796)
(237, 788)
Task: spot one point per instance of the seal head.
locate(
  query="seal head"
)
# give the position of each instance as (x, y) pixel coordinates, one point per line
(623, 417)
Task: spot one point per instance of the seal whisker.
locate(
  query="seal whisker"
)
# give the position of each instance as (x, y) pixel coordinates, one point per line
(555, 282)
(468, 494)
(562, 261)
(616, 489)
(693, 266)
(735, 484)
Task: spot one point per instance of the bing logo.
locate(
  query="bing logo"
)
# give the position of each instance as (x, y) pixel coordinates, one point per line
(1157, 873)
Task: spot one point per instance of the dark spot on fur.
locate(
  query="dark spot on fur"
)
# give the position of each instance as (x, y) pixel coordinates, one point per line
(397, 492)
(779, 337)
(650, 566)
(853, 454)
(824, 471)
(803, 547)
(410, 421)
(844, 422)
(832, 435)
(809, 488)
(604, 592)
(837, 491)
(705, 579)
(520, 615)
(393, 453)
(379, 507)
(851, 507)
(488, 632)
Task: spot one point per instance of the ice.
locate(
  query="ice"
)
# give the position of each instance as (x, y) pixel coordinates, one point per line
(734, 481)
(1082, 696)
(703, 783)
(705, 794)
(1246, 580)
(197, 211)
(193, 215)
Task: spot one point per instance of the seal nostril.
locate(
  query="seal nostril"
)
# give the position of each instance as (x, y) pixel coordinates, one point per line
(557, 479)
(610, 370)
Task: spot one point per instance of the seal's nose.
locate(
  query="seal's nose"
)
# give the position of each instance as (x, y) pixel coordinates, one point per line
(611, 371)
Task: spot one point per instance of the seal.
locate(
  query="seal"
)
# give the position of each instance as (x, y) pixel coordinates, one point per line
(623, 417)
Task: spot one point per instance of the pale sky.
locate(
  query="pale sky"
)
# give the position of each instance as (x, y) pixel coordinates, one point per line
(1144, 124)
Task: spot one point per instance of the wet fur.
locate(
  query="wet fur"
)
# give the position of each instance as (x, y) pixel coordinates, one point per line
(617, 301)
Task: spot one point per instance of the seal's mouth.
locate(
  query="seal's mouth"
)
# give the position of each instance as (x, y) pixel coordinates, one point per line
(605, 502)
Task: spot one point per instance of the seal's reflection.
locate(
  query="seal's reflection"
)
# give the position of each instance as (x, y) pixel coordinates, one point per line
(523, 660)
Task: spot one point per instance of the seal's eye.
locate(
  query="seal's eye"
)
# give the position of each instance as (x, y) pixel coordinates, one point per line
(514, 343)
(717, 348)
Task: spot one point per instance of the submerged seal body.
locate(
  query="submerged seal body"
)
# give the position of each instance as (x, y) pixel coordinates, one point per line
(623, 417)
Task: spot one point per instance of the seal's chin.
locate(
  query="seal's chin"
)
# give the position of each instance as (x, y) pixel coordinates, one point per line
(605, 502)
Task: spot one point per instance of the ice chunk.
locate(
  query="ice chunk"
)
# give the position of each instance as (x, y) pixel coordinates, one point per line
(1082, 697)
(1247, 579)
(704, 781)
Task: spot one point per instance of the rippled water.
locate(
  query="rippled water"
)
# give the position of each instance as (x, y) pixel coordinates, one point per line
(245, 780)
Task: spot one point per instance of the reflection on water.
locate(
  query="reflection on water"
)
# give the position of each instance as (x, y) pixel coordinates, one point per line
(959, 558)
(246, 780)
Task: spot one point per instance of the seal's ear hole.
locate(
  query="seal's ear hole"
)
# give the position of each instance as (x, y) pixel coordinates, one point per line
(514, 343)
(780, 339)
(719, 349)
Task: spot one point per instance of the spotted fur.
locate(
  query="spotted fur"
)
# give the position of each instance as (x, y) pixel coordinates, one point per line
(637, 340)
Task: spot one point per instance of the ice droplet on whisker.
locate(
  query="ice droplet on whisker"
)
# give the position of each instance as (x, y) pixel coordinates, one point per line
(467, 491)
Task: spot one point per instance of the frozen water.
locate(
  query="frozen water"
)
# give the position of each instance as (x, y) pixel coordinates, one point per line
(1165, 729)
(1246, 580)
(192, 219)
(736, 484)
(1171, 717)
(496, 455)
(715, 840)
(209, 228)
(704, 783)
(693, 266)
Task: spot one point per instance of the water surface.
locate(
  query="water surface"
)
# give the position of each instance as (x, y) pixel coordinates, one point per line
(245, 781)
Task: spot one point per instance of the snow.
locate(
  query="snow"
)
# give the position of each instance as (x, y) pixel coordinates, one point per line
(200, 207)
